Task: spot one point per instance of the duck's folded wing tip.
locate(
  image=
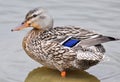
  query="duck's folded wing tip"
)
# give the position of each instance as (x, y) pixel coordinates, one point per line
(97, 40)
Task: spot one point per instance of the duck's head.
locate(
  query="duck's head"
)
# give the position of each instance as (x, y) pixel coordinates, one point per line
(37, 18)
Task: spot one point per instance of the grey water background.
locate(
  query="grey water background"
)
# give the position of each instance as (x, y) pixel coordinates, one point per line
(102, 16)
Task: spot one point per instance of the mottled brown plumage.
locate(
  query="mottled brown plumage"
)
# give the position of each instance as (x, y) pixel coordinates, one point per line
(47, 44)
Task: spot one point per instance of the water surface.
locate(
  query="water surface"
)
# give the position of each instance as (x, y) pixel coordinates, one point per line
(102, 16)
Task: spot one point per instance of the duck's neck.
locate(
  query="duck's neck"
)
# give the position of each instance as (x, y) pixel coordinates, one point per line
(41, 30)
(47, 27)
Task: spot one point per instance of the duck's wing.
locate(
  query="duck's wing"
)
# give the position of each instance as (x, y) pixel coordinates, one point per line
(97, 40)
(87, 38)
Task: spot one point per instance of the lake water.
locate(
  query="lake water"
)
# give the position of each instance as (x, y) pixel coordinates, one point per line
(102, 16)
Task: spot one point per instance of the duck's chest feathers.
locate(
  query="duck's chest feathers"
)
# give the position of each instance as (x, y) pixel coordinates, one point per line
(36, 44)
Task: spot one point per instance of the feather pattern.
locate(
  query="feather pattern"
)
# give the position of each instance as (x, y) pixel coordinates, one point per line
(61, 48)
(46, 47)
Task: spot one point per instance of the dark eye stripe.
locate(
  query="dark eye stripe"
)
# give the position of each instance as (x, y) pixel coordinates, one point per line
(31, 12)
(34, 15)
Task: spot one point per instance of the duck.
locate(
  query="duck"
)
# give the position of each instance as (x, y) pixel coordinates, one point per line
(62, 47)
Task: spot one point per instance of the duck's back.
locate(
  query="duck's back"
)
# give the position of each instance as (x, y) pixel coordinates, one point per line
(63, 47)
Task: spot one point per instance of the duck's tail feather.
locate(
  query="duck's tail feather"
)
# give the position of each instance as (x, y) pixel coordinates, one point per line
(105, 58)
(97, 40)
(112, 38)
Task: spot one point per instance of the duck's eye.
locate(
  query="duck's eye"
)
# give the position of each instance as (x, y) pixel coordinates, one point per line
(34, 15)
(22, 23)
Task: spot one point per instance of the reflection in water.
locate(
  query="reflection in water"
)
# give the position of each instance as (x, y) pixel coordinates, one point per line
(43, 74)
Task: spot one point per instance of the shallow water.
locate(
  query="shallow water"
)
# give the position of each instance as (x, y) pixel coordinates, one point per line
(102, 16)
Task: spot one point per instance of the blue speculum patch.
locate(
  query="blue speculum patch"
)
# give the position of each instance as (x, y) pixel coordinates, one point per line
(71, 42)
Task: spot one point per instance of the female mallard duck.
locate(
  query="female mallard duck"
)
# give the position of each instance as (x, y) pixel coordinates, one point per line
(61, 48)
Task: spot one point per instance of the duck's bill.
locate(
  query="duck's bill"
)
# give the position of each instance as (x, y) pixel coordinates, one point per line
(18, 28)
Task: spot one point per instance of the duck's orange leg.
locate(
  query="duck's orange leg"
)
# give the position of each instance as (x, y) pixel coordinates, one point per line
(63, 74)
